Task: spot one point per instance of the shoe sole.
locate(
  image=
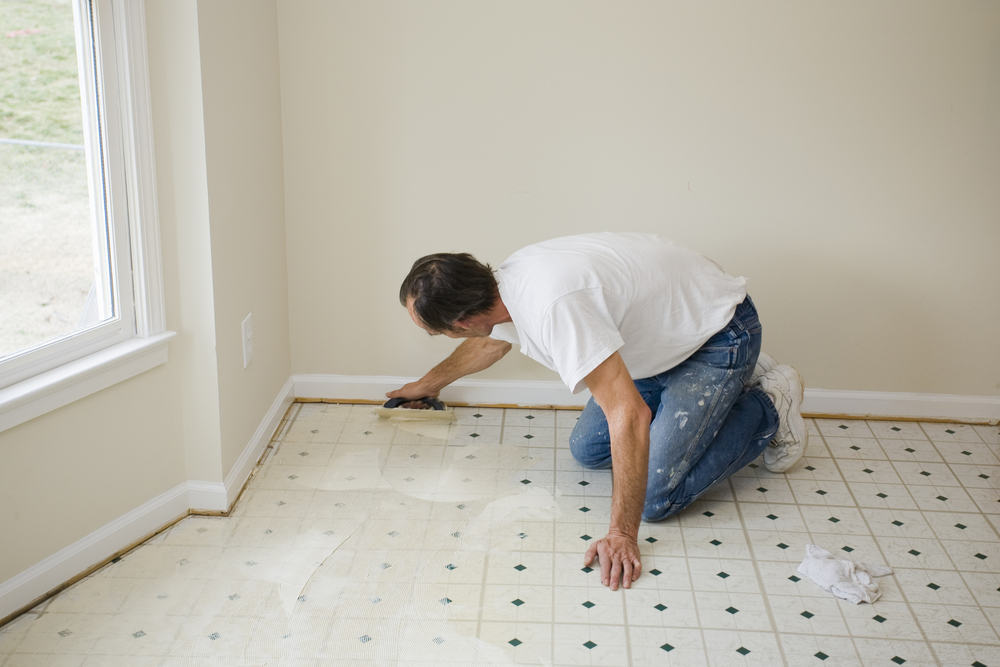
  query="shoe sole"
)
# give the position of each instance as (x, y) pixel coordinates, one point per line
(797, 426)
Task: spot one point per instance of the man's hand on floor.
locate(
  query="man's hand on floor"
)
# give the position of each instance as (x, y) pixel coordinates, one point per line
(619, 558)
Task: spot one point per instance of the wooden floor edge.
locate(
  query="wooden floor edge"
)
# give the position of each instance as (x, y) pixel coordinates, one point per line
(121, 553)
(807, 415)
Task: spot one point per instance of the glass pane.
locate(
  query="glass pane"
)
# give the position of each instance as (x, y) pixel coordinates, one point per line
(47, 249)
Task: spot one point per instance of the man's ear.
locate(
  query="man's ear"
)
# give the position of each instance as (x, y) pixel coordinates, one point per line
(461, 324)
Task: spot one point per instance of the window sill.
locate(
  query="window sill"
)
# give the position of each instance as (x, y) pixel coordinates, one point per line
(75, 380)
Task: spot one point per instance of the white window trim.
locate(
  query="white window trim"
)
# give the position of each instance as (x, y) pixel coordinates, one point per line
(146, 347)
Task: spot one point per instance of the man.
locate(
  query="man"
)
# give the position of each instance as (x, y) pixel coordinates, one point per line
(665, 340)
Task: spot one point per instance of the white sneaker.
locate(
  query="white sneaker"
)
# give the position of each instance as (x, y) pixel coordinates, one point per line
(785, 387)
(765, 363)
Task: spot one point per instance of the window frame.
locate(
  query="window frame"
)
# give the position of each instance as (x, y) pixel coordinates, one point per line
(83, 362)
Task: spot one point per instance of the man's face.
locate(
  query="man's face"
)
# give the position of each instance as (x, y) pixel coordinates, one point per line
(476, 326)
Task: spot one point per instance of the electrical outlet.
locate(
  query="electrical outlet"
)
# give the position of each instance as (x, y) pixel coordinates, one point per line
(247, 339)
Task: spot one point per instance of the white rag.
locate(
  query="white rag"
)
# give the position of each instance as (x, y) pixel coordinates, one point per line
(845, 579)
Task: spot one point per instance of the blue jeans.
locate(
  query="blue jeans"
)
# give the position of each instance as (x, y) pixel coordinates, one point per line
(707, 423)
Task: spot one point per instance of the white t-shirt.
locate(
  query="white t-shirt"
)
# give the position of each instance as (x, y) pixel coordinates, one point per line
(576, 300)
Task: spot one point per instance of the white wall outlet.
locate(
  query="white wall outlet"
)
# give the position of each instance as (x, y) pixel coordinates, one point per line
(247, 339)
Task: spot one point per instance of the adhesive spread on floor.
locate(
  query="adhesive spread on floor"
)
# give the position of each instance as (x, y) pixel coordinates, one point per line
(361, 542)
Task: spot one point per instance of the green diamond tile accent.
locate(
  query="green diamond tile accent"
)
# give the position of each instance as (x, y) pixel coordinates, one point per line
(762, 489)
(954, 623)
(896, 659)
(868, 470)
(794, 579)
(473, 435)
(530, 417)
(445, 601)
(753, 465)
(843, 427)
(880, 619)
(588, 604)
(821, 655)
(897, 523)
(833, 519)
(519, 568)
(586, 538)
(980, 557)
(742, 650)
(950, 431)
(528, 437)
(525, 481)
(708, 514)
(588, 570)
(651, 540)
(451, 567)
(914, 552)
(810, 468)
(771, 517)
(782, 545)
(896, 429)
(584, 483)
(978, 664)
(807, 614)
(821, 492)
(942, 498)
(933, 586)
(667, 647)
(722, 575)
(584, 509)
(715, 543)
(589, 644)
(732, 610)
(477, 415)
(881, 495)
(655, 572)
(967, 453)
(515, 642)
(910, 450)
(984, 477)
(517, 603)
(660, 607)
(925, 473)
(855, 448)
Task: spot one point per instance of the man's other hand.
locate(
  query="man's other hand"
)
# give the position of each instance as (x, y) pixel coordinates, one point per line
(619, 557)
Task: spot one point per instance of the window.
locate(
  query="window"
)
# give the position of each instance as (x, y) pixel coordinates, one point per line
(86, 183)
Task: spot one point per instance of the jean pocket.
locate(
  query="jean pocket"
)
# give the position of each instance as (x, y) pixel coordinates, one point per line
(720, 350)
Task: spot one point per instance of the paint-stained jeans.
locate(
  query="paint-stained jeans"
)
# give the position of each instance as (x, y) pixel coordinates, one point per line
(707, 423)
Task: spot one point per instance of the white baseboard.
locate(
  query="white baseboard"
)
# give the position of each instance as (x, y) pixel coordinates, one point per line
(870, 404)
(83, 554)
(247, 461)
(876, 404)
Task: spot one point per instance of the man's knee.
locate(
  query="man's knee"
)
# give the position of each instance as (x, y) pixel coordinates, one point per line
(590, 454)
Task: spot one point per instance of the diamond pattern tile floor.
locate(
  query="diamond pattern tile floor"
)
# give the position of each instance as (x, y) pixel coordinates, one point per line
(364, 542)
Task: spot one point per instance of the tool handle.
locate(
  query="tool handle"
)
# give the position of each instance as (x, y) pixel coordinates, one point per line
(429, 400)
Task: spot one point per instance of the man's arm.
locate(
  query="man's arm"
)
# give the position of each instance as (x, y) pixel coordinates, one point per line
(472, 356)
(628, 423)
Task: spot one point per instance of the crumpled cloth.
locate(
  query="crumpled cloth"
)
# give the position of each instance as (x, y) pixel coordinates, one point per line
(845, 579)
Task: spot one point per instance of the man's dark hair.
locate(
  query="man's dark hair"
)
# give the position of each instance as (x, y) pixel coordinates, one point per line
(448, 287)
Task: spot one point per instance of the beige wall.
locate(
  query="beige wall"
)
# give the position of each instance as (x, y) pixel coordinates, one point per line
(242, 100)
(842, 156)
(217, 134)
